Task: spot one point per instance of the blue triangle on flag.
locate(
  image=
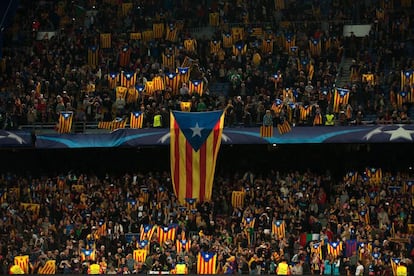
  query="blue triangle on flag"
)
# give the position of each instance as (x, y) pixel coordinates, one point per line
(197, 126)
(207, 256)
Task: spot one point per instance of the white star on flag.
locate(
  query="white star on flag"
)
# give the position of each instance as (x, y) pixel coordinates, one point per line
(196, 130)
(400, 132)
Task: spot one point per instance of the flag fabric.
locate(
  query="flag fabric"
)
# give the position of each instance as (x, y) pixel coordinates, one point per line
(132, 95)
(315, 47)
(403, 97)
(351, 177)
(206, 263)
(190, 44)
(195, 139)
(214, 19)
(118, 123)
(135, 36)
(147, 35)
(368, 78)
(166, 233)
(237, 33)
(48, 268)
(149, 87)
(101, 231)
(227, 40)
(184, 74)
(407, 78)
(196, 86)
(171, 33)
(187, 62)
(284, 127)
(158, 30)
(185, 106)
(172, 81)
(364, 216)
(266, 131)
(267, 46)
(136, 120)
(128, 79)
(143, 244)
(215, 47)
(237, 199)
(146, 232)
(395, 262)
(168, 61)
(23, 262)
(277, 106)
(158, 82)
(113, 80)
(140, 255)
(317, 248)
(279, 229)
(239, 48)
(183, 245)
(248, 222)
(93, 56)
(87, 254)
(334, 248)
(374, 175)
(351, 246)
(190, 203)
(120, 92)
(65, 122)
(341, 97)
(124, 56)
(126, 8)
(106, 41)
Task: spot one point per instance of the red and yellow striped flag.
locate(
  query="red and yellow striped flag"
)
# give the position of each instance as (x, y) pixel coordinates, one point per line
(215, 47)
(147, 231)
(190, 44)
(106, 41)
(237, 199)
(149, 88)
(172, 81)
(65, 122)
(206, 263)
(196, 86)
(166, 233)
(158, 30)
(315, 47)
(93, 56)
(184, 74)
(48, 268)
(334, 248)
(135, 36)
(279, 229)
(168, 61)
(140, 255)
(227, 40)
(136, 120)
(113, 80)
(126, 8)
(341, 97)
(267, 46)
(266, 131)
(395, 262)
(23, 262)
(183, 245)
(284, 127)
(158, 82)
(171, 33)
(214, 19)
(195, 139)
(120, 92)
(147, 35)
(128, 79)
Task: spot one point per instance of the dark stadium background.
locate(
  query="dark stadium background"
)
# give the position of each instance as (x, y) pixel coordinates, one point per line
(337, 158)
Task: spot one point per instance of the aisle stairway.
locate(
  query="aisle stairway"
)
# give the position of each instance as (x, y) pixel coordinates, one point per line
(344, 76)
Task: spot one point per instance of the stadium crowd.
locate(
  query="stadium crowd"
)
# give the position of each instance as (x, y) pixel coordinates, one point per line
(43, 76)
(83, 219)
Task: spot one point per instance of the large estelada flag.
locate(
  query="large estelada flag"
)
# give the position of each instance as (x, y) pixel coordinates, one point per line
(206, 263)
(65, 122)
(195, 139)
(136, 120)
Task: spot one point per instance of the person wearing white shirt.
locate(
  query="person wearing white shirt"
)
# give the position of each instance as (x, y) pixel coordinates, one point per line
(359, 269)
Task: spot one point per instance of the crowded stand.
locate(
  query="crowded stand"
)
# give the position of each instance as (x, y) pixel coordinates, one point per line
(305, 222)
(106, 60)
(264, 62)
